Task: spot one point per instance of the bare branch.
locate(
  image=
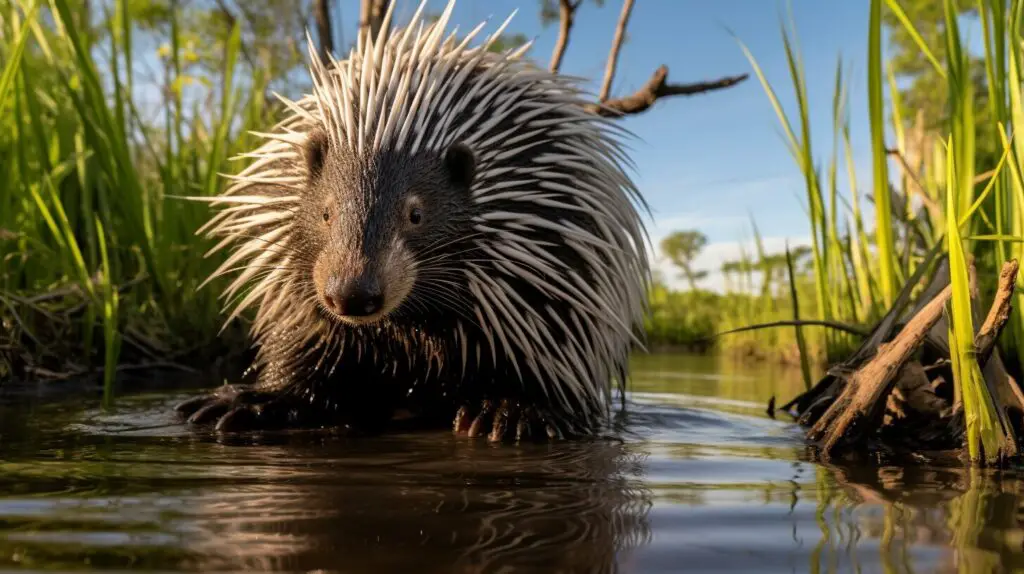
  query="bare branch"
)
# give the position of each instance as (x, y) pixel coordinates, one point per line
(371, 17)
(566, 16)
(322, 13)
(999, 313)
(613, 56)
(658, 87)
(851, 329)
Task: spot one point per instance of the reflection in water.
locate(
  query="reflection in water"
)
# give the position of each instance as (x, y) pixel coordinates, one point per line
(369, 511)
(157, 498)
(974, 515)
(696, 478)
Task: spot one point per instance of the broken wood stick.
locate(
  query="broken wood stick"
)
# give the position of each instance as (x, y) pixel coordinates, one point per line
(998, 313)
(860, 398)
(1000, 385)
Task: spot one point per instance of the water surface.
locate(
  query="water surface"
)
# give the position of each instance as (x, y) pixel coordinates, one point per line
(697, 479)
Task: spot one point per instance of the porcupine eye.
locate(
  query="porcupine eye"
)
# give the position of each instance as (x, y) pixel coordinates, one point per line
(461, 164)
(414, 211)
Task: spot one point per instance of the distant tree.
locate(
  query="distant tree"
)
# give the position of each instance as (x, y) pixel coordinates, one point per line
(771, 265)
(682, 248)
(799, 254)
(926, 90)
(779, 269)
(272, 32)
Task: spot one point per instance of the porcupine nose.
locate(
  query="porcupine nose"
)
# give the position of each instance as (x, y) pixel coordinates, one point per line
(354, 298)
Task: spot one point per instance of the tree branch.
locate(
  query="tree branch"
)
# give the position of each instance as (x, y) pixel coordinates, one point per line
(613, 56)
(566, 16)
(851, 329)
(322, 14)
(371, 17)
(658, 87)
(998, 314)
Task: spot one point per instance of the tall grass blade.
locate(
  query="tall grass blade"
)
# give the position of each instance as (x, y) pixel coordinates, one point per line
(111, 336)
(984, 433)
(805, 367)
(895, 8)
(14, 57)
(883, 209)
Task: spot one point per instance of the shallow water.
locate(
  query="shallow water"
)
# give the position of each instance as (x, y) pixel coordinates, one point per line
(698, 479)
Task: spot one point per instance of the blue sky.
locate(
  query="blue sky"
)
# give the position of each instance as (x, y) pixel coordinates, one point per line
(707, 162)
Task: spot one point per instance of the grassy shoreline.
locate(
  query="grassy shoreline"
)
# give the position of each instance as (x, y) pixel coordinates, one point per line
(950, 198)
(700, 322)
(101, 263)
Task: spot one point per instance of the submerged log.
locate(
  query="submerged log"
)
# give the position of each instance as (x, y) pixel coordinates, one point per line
(896, 393)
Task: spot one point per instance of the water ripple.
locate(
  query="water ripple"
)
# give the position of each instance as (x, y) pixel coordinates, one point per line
(698, 479)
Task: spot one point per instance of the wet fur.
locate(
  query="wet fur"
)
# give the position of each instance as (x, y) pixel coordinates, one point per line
(525, 283)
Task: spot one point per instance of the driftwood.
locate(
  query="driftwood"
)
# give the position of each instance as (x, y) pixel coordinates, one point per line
(896, 392)
(814, 400)
(862, 394)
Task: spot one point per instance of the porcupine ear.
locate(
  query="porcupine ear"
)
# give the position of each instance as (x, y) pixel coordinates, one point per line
(460, 162)
(315, 152)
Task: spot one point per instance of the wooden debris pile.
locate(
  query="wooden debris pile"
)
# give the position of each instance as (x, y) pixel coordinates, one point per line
(896, 394)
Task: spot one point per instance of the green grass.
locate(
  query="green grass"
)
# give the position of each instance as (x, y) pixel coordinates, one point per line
(690, 320)
(858, 270)
(843, 261)
(697, 321)
(683, 319)
(974, 211)
(798, 330)
(101, 261)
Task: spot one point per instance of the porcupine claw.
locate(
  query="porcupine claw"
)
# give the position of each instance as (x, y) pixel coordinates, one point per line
(462, 420)
(508, 422)
(234, 408)
(480, 421)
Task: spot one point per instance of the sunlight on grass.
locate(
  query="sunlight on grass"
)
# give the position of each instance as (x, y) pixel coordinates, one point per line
(90, 206)
(100, 250)
(979, 411)
(952, 195)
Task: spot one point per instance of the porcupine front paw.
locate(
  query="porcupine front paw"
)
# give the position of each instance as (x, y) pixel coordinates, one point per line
(245, 408)
(506, 420)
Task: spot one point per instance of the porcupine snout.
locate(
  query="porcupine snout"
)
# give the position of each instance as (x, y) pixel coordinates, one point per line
(359, 296)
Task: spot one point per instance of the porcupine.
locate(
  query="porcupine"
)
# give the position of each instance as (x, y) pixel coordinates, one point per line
(437, 228)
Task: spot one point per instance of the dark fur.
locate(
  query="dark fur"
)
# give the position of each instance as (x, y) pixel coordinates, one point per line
(360, 376)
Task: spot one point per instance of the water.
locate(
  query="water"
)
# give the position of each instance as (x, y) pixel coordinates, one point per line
(699, 480)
